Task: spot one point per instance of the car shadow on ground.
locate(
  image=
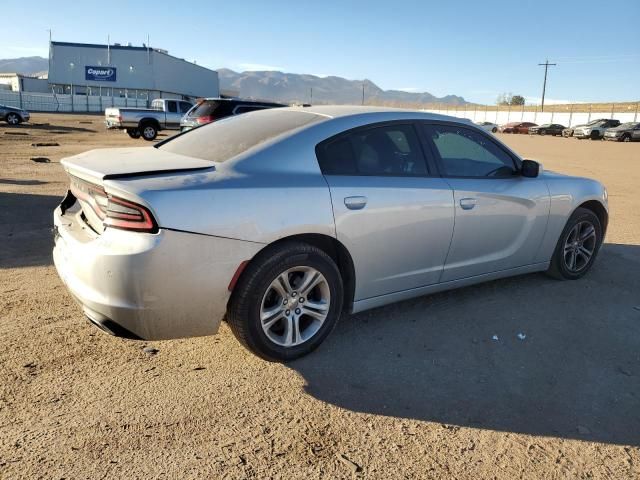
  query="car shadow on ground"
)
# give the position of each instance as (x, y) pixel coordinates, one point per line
(25, 229)
(528, 354)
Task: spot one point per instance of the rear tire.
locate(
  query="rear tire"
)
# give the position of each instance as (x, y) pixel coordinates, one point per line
(581, 238)
(13, 119)
(133, 132)
(149, 131)
(263, 309)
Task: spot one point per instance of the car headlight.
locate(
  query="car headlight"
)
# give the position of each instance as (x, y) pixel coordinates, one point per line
(586, 131)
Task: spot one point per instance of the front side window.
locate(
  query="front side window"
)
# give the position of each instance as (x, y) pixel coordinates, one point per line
(184, 107)
(466, 153)
(390, 150)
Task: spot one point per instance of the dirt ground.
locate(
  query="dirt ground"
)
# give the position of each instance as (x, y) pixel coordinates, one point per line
(414, 390)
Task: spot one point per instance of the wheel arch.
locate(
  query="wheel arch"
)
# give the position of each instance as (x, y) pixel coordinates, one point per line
(149, 120)
(331, 246)
(600, 211)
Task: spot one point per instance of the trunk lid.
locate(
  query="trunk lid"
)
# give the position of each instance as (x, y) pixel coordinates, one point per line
(105, 164)
(88, 172)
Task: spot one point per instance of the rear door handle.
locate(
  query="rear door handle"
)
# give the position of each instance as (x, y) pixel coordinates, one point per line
(468, 203)
(355, 203)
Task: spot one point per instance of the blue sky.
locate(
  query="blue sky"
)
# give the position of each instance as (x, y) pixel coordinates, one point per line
(476, 49)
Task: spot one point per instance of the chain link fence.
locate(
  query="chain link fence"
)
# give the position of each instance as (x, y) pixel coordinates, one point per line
(50, 102)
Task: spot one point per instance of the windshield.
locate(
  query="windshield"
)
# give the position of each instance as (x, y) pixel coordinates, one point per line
(227, 138)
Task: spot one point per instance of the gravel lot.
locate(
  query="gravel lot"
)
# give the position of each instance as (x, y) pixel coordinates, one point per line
(414, 390)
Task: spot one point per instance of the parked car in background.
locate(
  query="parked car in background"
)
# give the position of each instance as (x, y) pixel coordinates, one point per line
(283, 219)
(13, 115)
(594, 130)
(212, 109)
(547, 129)
(147, 122)
(516, 127)
(627, 132)
(488, 126)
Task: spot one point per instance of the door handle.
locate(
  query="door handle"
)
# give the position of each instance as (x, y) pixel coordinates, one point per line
(355, 203)
(468, 203)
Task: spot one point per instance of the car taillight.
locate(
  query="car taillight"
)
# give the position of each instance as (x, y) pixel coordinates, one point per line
(205, 119)
(127, 215)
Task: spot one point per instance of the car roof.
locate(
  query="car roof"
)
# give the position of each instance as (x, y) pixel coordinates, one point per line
(341, 111)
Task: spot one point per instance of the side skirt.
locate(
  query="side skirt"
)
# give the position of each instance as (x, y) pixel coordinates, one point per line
(381, 300)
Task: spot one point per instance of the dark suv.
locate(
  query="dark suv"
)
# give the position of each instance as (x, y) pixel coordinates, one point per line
(212, 109)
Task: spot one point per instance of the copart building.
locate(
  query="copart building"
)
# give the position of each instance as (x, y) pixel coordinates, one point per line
(126, 71)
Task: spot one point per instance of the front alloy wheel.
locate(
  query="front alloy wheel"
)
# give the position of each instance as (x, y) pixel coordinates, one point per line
(577, 246)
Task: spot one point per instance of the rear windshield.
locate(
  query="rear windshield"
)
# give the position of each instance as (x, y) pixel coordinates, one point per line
(227, 138)
(204, 109)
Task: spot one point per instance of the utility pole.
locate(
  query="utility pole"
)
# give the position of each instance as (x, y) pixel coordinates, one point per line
(311, 97)
(362, 93)
(544, 85)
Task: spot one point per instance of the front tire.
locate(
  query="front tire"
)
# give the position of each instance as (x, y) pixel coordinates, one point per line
(577, 246)
(286, 302)
(13, 119)
(626, 138)
(595, 136)
(494, 130)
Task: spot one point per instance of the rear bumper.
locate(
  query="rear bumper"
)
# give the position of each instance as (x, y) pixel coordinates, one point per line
(147, 286)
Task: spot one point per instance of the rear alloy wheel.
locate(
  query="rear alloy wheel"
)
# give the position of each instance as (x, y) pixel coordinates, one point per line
(149, 132)
(13, 119)
(286, 302)
(577, 247)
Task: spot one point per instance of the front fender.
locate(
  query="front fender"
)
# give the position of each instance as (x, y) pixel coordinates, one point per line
(566, 195)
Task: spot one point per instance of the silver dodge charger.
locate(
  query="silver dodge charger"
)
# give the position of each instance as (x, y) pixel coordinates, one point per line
(281, 220)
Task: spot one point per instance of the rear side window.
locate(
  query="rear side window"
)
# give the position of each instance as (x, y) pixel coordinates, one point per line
(467, 153)
(225, 139)
(390, 150)
(172, 107)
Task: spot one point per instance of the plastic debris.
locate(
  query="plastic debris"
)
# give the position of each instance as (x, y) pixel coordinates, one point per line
(495, 338)
(521, 336)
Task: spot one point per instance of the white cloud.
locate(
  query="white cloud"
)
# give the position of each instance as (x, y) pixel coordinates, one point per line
(407, 89)
(260, 67)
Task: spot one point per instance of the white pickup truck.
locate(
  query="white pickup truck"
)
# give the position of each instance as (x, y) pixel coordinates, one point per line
(147, 122)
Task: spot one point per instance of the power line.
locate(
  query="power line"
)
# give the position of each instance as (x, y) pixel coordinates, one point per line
(544, 85)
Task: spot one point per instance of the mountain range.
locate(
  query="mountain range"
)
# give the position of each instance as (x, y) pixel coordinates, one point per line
(286, 87)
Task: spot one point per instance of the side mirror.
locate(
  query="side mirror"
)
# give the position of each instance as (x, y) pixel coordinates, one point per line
(530, 169)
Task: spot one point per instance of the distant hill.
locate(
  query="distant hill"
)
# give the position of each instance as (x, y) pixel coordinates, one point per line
(285, 87)
(24, 65)
(293, 87)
